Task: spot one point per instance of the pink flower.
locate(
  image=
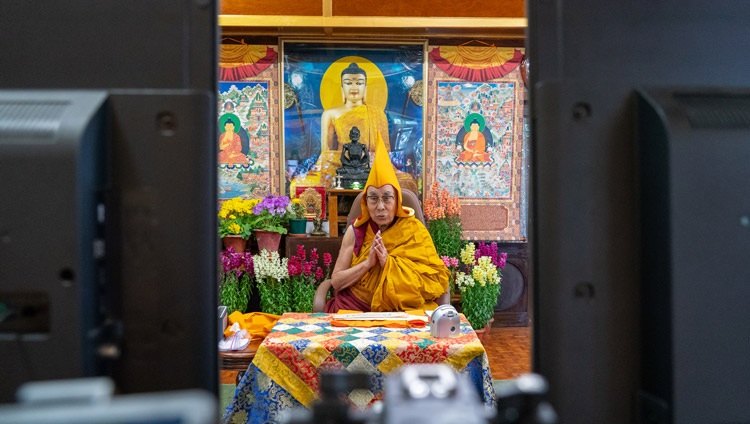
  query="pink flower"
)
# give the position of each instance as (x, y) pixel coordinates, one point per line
(327, 259)
(319, 274)
(249, 265)
(503, 260)
(294, 268)
(449, 262)
(301, 252)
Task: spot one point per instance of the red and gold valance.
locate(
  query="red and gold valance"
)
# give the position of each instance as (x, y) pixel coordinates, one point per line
(476, 63)
(240, 61)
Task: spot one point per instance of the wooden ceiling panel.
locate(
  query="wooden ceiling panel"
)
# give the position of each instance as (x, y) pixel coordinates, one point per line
(433, 8)
(272, 7)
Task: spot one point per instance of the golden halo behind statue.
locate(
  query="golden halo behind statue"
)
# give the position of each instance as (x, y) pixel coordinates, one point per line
(330, 85)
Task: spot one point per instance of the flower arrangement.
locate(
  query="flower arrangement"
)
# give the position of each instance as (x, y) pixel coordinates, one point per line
(443, 215)
(289, 284)
(235, 217)
(305, 276)
(235, 286)
(270, 214)
(272, 277)
(478, 279)
(295, 209)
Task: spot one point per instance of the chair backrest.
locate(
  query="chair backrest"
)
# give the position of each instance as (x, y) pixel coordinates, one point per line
(408, 199)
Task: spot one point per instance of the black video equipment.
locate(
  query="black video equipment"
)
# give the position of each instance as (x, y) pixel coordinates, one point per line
(426, 393)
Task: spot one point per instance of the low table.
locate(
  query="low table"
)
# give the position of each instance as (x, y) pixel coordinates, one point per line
(239, 360)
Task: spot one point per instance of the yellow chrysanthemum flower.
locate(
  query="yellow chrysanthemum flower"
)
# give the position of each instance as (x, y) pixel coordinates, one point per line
(235, 228)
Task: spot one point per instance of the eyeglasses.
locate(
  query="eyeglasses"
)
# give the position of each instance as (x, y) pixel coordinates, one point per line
(374, 200)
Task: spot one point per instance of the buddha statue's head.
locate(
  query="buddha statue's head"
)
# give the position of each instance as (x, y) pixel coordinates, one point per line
(353, 84)
(354, 134)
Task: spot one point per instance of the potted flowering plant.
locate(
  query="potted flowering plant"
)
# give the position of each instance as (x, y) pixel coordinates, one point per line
(305, 275)
(272, 278)
(235, 225)
(478, 279)
(235, 285)
(270, 214)
(443, 215)
(295, 211)
(269, 221)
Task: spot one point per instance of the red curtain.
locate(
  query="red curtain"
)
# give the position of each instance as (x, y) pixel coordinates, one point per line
(240, 61)
(476, 63)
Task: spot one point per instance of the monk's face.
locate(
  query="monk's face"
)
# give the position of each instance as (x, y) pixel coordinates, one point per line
(381, 203)
(353, 87)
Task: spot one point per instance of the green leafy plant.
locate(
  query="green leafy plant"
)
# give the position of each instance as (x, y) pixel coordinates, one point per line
(479, 280)
(272, 278)
(235, 287)
(443, 215)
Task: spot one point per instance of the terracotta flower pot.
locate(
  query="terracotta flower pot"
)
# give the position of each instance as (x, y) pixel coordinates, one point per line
(268, 240)
(484, 331)
(235, 242)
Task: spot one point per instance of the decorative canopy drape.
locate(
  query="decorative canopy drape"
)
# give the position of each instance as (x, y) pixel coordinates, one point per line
(476, 63)
(240, 61)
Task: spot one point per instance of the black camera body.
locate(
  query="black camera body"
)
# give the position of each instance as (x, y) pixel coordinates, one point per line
(426, 393)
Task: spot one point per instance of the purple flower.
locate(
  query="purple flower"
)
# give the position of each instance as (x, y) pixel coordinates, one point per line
(491, 250)
(249, 264)
(231, 260)
(275, 205)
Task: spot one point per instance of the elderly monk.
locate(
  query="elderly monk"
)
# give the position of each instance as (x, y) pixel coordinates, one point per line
(387, 260)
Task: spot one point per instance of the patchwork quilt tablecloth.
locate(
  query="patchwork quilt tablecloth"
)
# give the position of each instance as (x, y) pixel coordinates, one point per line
(284, 372)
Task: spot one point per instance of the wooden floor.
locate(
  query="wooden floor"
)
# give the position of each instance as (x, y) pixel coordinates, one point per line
(508, 350)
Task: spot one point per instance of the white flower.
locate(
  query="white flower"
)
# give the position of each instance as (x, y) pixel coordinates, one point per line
(270, 265)
(464, 280)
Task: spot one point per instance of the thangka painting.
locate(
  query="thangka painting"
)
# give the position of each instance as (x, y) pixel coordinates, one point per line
(244, 142)
(478, 150)
(340, 98)
(248, 142)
